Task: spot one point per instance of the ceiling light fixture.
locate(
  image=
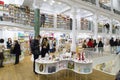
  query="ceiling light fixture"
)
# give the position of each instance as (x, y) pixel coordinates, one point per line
(45, 0)
(51, 4)
(59, 2)
(53, 1)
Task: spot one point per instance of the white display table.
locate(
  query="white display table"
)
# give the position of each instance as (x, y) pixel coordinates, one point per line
(43, 66)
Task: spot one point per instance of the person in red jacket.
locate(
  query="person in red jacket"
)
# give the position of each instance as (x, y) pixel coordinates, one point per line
(90, 43)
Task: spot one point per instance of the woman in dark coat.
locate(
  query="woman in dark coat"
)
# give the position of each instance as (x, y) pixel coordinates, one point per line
(16, 51)
(45, 47)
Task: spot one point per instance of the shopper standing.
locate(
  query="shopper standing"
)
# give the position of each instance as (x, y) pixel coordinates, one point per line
(9, 43)
(94, 45)
(116, 45)
(42, 19)
(111, 42)
(35, 49)
(118, 48)
(100, 46)
(90, 44)
(1, 52)
(84, 44)
(16, 51)
(45, 47)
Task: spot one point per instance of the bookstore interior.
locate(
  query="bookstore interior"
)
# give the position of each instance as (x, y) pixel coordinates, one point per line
(68, 25)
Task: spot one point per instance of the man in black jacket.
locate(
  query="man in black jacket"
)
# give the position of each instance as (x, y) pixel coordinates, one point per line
(35, 49)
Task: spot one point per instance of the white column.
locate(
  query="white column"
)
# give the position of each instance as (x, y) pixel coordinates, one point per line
(97, 3)
(78, 23)
(73, 14)
(55, 20)
(110, 31)
(95, 21)
(116, 4)
(111, 5)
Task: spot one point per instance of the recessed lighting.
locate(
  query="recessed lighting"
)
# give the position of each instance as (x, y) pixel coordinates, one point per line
(44, 0)
(59, 2)
(51, 4)
(53, 1)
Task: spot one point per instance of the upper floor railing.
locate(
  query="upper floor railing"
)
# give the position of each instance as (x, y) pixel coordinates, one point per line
(103, 6)
(91, 1)
(91, 53)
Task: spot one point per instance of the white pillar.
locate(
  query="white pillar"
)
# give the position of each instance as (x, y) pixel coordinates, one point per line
(111, 5)
(110, 31)
(97, 3)
(116, 4)
(55, 20)
(95, 21)
(73, 14)
(78, 23)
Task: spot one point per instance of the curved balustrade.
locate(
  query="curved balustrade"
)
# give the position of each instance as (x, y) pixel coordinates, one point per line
(43, 66)
(105, 7)
(116, 11)
(91, 1)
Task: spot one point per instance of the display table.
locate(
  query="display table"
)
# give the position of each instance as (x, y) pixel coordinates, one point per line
(46, 66)
(10, 58)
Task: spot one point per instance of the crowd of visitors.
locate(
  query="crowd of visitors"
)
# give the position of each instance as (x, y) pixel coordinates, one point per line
(92, 44)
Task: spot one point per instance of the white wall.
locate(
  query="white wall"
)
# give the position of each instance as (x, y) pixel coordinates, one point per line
(116, 4)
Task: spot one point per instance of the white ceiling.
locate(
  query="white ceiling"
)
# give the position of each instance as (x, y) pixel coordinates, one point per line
(51, 6)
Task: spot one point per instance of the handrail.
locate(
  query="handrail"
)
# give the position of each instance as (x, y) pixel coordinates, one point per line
(105, 7)
(91, 53)
(91, 1)
(116, 11)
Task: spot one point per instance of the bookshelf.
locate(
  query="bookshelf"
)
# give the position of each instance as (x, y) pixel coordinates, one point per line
(86, 24)
(63, 22)
(49, 20)
(17, 14)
